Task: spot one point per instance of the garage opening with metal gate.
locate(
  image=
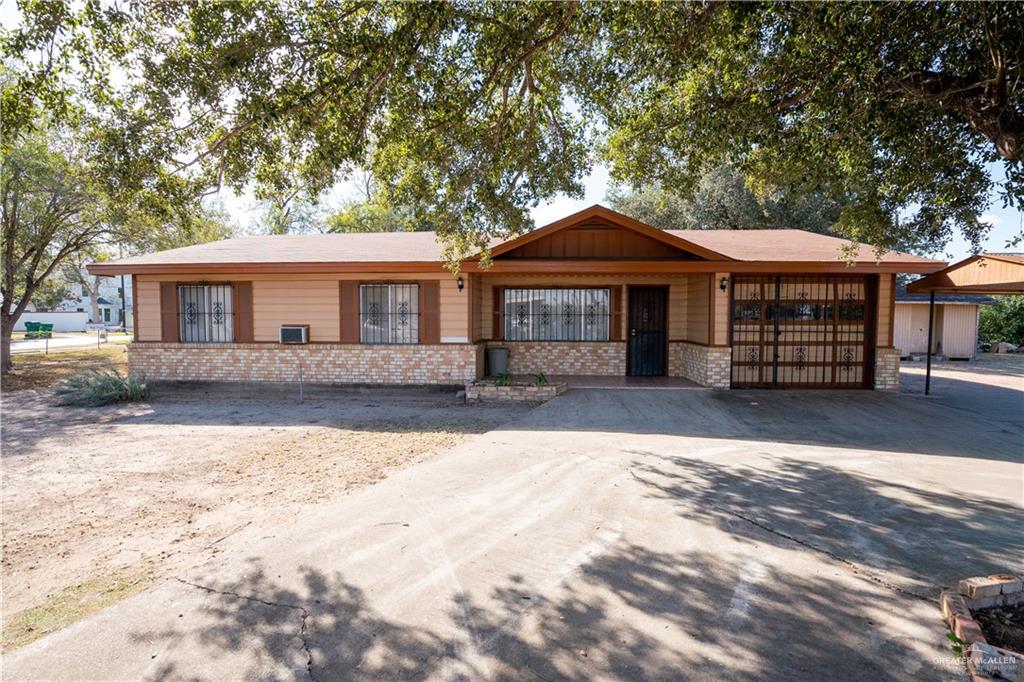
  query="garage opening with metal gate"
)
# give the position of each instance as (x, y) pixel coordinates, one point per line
(814, 331)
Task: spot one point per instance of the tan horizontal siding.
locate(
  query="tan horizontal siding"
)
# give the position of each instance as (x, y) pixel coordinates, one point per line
(303, 299)
(721, 303)
(677, 307)
(885, 311)
(315, 303)
(147, 306)
(454, 311)
(697, 297)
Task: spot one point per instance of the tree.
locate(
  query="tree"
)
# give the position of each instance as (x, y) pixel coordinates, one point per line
(1003, 321)
(471, 112)
(829, 97)
(56, 210)
(48, 213)
(50, 293)
(722, 200)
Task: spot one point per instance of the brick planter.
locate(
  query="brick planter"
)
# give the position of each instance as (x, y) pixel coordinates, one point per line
(489, 392)
(984, 661)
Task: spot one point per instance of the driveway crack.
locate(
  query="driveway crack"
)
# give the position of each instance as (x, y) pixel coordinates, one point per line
(853, 566)
(303, 615)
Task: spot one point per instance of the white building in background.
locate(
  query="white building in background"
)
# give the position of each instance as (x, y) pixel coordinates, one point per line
(109, 301)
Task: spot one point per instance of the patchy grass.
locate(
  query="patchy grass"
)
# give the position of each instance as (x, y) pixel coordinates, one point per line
(71, 604)
(39, 370)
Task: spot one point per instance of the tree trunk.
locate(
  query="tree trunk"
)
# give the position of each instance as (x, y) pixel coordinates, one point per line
(94, 295)
(6, 327)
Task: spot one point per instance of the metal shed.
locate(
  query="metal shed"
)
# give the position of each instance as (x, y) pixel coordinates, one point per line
(956, 324)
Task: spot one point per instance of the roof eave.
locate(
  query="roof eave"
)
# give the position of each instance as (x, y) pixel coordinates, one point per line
(525, 266)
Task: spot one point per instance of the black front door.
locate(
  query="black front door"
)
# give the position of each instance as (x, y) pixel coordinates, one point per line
(648, 313)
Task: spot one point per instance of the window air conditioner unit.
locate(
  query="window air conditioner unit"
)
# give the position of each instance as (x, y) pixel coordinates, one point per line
(294, 333)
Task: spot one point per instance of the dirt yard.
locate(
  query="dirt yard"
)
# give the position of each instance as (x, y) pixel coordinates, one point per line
(99, 502)
(39, 370)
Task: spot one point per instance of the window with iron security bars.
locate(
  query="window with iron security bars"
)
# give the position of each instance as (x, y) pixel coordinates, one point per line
(557, 314)
(206, 313)
(389, 313)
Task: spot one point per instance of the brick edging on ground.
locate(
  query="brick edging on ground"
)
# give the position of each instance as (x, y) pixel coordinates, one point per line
(983, 660)
(485, 391)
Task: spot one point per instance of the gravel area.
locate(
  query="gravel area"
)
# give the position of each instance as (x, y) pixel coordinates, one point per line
(150, 489)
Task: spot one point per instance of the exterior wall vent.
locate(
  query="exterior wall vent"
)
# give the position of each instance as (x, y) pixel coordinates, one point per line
(294, 333)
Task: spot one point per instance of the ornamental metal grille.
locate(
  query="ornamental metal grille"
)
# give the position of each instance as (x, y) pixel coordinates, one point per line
(389, 313)
(205, 313)
(802, 331)
(557, 314)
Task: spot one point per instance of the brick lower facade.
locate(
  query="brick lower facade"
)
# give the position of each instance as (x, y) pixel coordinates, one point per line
(595, 358)
(887, 369)
(705, 365)
(318, 363)
(444, 364)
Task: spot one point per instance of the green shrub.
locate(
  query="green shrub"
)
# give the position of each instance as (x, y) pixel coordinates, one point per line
(101, 387)
(540, 379)
(503, 379)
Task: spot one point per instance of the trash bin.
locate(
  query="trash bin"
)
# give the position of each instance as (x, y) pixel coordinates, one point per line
(497, 361)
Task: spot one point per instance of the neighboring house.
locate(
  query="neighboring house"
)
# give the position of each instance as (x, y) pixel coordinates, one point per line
(108, 300)
(596, 293)
(955, 333)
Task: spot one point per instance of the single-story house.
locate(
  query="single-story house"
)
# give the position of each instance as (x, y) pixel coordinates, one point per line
(595, 293)
(955, 333)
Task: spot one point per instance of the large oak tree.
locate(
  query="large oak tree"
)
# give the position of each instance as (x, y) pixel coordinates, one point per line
(473, 112)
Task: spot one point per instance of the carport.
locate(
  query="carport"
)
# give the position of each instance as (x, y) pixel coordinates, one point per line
(986, 273)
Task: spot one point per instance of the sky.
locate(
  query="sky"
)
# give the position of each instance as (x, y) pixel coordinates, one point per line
(1006, 222)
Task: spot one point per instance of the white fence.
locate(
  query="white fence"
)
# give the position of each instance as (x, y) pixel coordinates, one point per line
(61, 321)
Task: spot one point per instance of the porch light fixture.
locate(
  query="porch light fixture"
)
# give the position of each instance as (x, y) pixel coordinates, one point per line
(723, 283)
(461, 283)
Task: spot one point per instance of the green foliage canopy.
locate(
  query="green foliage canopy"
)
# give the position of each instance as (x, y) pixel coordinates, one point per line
(1003, 321)
(722, 200)
(473, 112)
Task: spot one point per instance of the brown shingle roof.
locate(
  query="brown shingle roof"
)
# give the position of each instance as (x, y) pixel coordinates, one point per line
(376, 247)
(412, 249)
(423, 247)
(788, 245)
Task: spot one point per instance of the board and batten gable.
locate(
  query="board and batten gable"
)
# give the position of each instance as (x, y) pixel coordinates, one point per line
(305, 299)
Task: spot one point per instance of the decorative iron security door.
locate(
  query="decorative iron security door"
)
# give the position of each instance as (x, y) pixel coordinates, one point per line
(802, 332)
(647, 331)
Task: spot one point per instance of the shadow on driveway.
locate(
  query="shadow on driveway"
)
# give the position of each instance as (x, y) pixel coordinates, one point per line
(632, 613)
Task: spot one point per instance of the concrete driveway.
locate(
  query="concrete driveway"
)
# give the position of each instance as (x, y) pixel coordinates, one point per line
(610, 534)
